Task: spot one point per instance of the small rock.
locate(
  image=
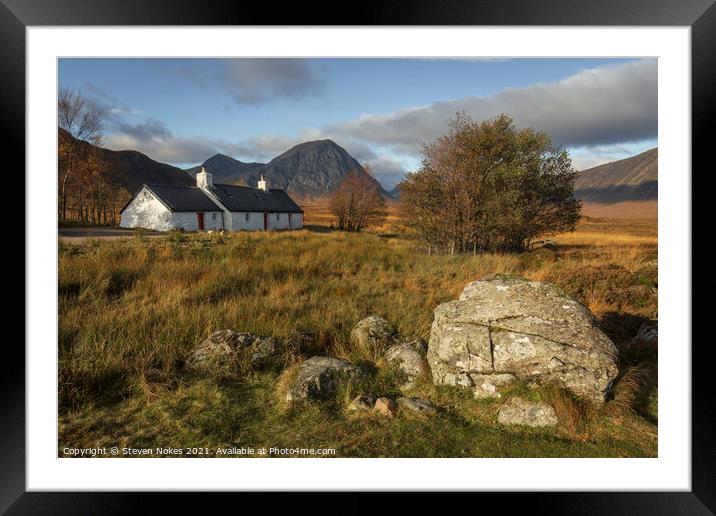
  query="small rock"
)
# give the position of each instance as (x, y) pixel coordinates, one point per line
(373, 334)
(485, 385)
(361, 403)
(417, 405)
(223, 349)
(320, 378)
(409, 359)
(385, 407)
(648, 333)
(545, 244)
(518, 411)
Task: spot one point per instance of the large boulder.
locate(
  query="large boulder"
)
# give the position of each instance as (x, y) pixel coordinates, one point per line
(224, 350)
(408, 357)
(320, 378)
(373, 335)
(518, 411)
(502, 326)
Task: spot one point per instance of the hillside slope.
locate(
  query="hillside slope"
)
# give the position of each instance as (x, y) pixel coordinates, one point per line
(225, 169)
(131, 169)
(630, 179)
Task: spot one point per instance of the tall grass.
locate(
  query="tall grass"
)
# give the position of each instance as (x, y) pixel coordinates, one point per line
(129, 306)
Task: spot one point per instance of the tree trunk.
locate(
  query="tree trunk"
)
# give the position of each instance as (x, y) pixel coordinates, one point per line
(63, 195)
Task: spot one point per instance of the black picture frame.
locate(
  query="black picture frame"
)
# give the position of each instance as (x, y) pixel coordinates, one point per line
(700, 15)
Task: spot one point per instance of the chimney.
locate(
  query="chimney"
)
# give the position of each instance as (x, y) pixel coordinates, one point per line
(262, 183)
(204, 180)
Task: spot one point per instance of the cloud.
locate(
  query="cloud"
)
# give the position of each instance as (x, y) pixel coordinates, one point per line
(595, 106)
(387, 170)
(252, 81)
(267, 147)
(154, 139)
(109, 104)
(592, 112)
(588, 157)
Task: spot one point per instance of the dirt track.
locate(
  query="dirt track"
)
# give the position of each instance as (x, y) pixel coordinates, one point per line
(77, 235)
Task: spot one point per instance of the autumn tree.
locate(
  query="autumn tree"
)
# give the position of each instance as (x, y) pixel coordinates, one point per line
(83, 121)
(488, 186)
(357, 203)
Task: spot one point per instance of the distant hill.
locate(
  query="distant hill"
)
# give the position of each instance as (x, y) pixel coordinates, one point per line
(630, 179)
(627, 188)
(225, 169)
(309, 169)
(131, 169)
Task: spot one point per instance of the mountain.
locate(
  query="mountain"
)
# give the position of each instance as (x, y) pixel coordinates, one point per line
(395, 192)
(624, 188)
(630, 179)
(309, 169)
(225, 169)
(131, 169)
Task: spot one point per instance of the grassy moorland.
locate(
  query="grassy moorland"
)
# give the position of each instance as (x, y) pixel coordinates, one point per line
(131, 310)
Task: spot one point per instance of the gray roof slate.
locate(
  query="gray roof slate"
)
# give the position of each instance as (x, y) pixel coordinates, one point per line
(235, 198)
(245, 198)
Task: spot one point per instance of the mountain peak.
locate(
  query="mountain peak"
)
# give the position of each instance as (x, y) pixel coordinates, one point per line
(225, 168)
(219, 158)
(314, 168)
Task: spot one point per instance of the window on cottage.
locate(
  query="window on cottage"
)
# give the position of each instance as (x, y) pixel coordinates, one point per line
(246, 216)
(213, 216)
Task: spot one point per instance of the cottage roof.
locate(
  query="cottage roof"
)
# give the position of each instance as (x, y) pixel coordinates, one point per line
(245, 198)
(183, 198)
(235, 198)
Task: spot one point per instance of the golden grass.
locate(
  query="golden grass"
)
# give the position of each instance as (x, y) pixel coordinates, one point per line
(129, 306)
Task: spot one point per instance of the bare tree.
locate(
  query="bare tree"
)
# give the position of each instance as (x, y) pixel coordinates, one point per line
(357, 203)
(83, 121)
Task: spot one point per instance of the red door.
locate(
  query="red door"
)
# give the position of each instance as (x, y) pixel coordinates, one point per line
(200, 219)
(265, 221)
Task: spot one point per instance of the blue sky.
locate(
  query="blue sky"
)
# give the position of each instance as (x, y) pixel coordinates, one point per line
(182, 111)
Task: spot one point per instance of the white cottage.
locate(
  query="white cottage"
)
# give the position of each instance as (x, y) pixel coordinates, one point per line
(209, 206)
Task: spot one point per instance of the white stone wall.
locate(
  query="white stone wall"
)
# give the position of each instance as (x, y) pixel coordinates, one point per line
(214, 220)
(240, 221)
(296, 220)
(278, 220)
(254, 221)
(189, 221)
(146, 211)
